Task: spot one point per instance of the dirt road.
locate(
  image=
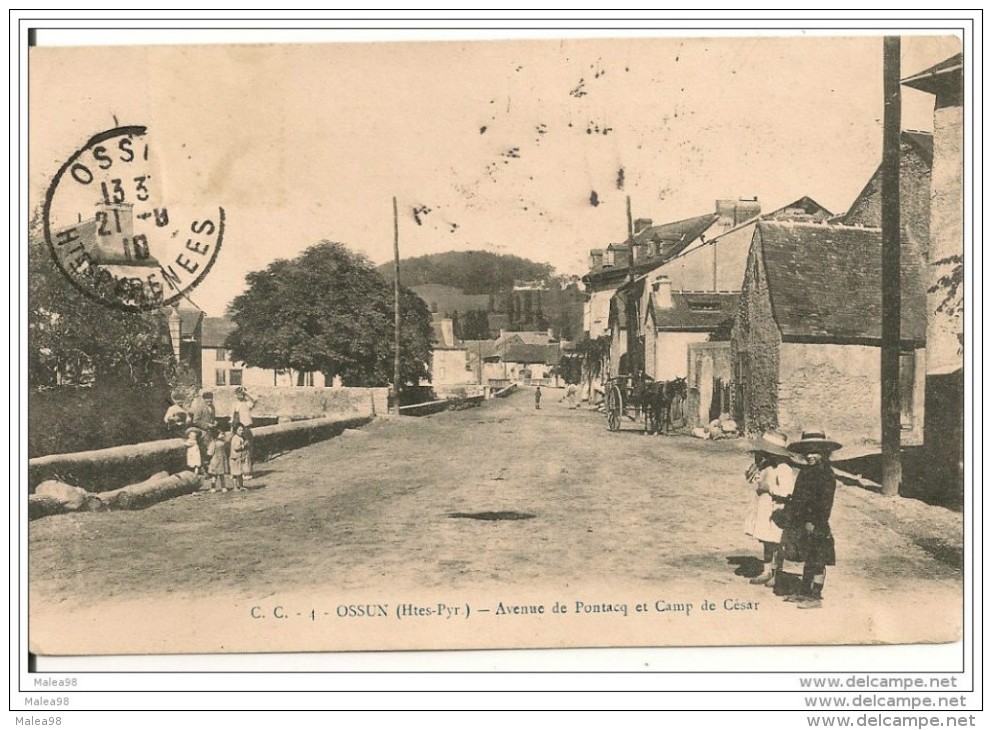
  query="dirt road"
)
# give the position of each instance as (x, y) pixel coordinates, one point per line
(498, 504)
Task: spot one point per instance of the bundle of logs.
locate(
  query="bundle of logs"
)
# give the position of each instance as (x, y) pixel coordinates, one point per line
(53, 497)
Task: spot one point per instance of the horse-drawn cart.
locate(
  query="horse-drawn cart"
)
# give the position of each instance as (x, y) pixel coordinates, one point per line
(660, 402)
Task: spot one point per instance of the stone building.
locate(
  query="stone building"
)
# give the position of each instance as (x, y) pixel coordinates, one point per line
(915, 161)
(806, 341)
(694, 294)
(652, 246)
(944, 278)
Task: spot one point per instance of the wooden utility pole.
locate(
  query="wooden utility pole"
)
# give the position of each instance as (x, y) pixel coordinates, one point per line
(631, 301)
(396, 307)
(891, 278)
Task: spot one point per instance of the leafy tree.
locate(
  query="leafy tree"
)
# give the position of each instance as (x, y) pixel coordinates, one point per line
(475, 325)
(951, 285)
(73, 340)
(329, 310)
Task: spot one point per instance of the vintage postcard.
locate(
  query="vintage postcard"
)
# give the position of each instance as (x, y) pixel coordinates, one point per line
(675, 358)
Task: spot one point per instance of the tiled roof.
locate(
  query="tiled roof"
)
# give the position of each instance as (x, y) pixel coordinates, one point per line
(523, 338)
(825, 282)
(695, 311)
(215, 331)
(440, 341)
(927, 79)
(547, 354)
(674, 237)
(485, 348)
(922, 141)
(189, 319)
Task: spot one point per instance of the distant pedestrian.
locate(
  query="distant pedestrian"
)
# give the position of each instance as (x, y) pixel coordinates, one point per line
(537, 398)
(570, 392)
(770, 481)
(217, 451)
(807, 536)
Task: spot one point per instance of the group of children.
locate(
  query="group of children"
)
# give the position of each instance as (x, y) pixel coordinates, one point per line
(226, 454)
(789, 514)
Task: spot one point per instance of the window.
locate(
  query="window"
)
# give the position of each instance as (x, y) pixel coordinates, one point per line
(236, 377)
(220, 376)
(704, 306)
(308, 379)
(221, 354)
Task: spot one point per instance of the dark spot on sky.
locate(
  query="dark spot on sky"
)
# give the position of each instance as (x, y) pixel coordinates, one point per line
(418, 213)
(676, 59)
(620, 176)
(594, 199)
(579, 91)
(482, 129)
(626, 68)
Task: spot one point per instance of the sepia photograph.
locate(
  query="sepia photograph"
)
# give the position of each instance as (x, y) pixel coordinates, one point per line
(522, 343)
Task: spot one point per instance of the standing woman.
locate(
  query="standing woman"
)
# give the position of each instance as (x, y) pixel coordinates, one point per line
(807, 536)
(772, 479)
(241, 415)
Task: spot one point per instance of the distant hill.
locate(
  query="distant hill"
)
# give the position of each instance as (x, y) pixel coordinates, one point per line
(444, 299)
(472, 272)
(475, 288)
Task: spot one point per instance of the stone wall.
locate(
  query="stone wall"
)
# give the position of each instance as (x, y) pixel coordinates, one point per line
(755, 343)
(302, 402)
(105, 469)
(709, 362)
(837, 388)
(946, 236)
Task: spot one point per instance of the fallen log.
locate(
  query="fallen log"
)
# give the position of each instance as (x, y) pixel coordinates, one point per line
(147, 493)
(42, 505)
(71, 499)
(107, 498)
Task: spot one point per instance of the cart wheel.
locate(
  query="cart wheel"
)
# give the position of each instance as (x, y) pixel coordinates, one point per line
(614, 407)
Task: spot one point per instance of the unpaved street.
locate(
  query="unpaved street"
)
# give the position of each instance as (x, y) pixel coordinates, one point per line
(498, 503)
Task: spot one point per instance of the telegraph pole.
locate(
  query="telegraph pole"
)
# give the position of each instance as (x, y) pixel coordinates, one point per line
(631, 301)
(396, 307)
(891, 279)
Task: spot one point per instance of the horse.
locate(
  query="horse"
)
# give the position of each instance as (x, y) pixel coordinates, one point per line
(660, 398)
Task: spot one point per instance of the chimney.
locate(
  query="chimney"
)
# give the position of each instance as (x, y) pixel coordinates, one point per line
(448, 332)
(746, 209)
(662, 288)
(595, 258)
(726, 209)
(609, 259)
(640, 224)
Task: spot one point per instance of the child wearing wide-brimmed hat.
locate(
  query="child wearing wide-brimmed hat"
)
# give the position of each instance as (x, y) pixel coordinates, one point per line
(807, 536)
(771, 478)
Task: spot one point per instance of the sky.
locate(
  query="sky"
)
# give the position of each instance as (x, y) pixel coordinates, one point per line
(525, 147)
